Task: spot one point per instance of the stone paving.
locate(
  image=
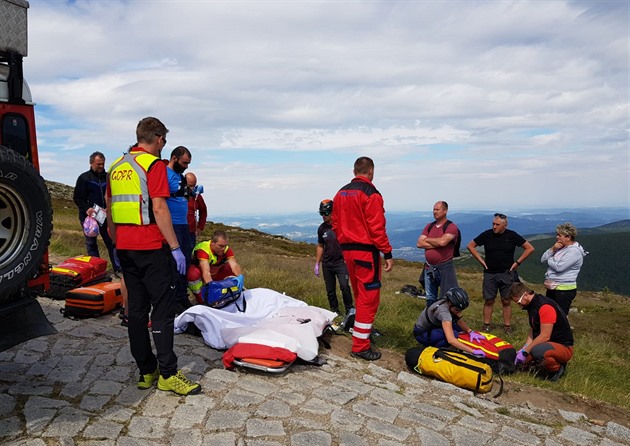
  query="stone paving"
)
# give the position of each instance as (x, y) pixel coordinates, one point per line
(78, 388)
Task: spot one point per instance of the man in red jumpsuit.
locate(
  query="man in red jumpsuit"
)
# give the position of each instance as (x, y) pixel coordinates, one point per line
(359, 221)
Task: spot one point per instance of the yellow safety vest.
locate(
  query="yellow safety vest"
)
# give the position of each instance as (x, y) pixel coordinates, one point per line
(131, 204)
(205, 247)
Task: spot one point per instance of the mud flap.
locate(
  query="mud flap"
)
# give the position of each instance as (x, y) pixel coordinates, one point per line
(22, 320)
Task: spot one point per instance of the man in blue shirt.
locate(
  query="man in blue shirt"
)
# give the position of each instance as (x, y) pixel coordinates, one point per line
(178, 206)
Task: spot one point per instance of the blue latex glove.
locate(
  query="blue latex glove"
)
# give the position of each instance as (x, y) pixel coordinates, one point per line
(316, 269)
(180, 260)
(479, 352)
(520, 358)
(475, 336)
(240, 279)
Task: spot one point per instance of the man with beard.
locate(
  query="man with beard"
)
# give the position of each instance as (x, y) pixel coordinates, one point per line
(178, 206)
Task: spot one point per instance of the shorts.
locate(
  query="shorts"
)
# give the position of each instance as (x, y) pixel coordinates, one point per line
(498, 282)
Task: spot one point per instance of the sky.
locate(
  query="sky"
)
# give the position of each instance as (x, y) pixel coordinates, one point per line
(484, 104)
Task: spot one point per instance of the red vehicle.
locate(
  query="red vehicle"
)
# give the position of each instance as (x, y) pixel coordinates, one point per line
(25, 208)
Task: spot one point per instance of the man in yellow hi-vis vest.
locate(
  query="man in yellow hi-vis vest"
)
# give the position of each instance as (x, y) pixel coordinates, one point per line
(141, 227)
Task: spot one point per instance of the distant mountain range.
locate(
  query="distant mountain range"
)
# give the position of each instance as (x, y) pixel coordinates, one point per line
(605, 233)
(404, 228)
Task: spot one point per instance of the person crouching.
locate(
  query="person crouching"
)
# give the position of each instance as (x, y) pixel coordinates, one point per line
(549, 344)
(441, 322)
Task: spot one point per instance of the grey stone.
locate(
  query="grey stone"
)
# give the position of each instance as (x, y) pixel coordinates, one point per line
(467, 437)
(187, 416)
(378, 411)
(380, 371)
(422, 418)
(572, 416)
(433, 411)
(264, 428)
(472, 423)
(355, 386)
(148, 427)
(469, 410)
(217, 439)
(190, 437)
(94, 402)
(118, 413)
(374, 381)
(577, 436)
(428, 437)
(315, 438)
(103, 429)
(317, 405)
(312, 423)
(242, 398)
(257, 385)
(389, 430)
(336, 395)
(68, 423)
(10, 427)
(101, 387)
(7, 404)
(348, 439)
(518, 435)
(389, 397)
(617, 431)
(289, 397)
(38, 419)
(346, 420)
(160, 404)
(274, 409)
(225, 419)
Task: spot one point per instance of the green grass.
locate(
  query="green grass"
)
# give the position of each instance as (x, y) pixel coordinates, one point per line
(600, 368)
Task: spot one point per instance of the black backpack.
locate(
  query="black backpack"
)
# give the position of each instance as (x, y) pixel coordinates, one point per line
(458, 242)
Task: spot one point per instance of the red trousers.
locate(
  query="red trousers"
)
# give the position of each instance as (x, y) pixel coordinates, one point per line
(550, 355)
(364, 269)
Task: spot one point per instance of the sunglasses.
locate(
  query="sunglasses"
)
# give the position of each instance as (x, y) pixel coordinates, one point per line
(520, 299)
(325, 214)
(500, 215)
(163, 137)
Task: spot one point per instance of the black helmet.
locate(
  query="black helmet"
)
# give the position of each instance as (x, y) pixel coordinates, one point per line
(458, 297)
(325, 207)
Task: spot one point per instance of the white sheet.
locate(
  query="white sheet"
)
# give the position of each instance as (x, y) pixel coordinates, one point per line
(271, 318)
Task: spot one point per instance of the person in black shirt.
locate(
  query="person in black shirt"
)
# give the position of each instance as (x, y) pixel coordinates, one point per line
(88, 191)
(549, 344)
(333, 266)
(499, 266)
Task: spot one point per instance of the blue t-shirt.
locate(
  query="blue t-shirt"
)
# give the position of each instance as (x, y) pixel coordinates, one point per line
(177, 202)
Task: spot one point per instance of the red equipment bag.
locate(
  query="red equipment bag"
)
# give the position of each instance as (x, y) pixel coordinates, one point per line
(75, 272)
(500, 354)
(92, 301)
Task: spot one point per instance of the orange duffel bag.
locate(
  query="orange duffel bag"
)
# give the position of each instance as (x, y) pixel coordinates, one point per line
(93, 301)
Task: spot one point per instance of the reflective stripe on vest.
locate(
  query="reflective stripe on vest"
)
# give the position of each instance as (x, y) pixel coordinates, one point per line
(130, 190)
(205, 247)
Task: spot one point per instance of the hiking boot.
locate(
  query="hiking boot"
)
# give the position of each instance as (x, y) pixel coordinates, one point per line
(368, 355)
(486, 327)
(124, 321)
(178, 384)
(146, 381)
(348, 321)
(555, 376)
(507, 329)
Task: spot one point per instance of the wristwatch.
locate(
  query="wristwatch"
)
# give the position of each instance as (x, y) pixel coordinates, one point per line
(525, 353)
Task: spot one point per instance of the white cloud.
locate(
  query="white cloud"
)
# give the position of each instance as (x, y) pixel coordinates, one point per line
(485, 104)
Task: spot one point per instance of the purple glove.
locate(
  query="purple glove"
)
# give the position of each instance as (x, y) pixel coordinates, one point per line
(180, 260)
(475, 336)
(479, 352)
(316, 269)
(520, 358)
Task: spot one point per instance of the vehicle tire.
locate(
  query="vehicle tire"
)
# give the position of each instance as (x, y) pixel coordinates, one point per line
(25, 222)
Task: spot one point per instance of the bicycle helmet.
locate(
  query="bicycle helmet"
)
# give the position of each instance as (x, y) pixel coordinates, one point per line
(325, 207)
(458, 297)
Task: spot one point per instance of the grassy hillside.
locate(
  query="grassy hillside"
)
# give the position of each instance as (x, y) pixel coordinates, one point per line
(600, 369)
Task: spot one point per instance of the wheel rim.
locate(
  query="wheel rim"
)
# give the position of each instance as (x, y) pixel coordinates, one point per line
(13, 224)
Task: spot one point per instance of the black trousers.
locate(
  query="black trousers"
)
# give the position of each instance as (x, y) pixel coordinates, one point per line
(150, 277)
(332, 272)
